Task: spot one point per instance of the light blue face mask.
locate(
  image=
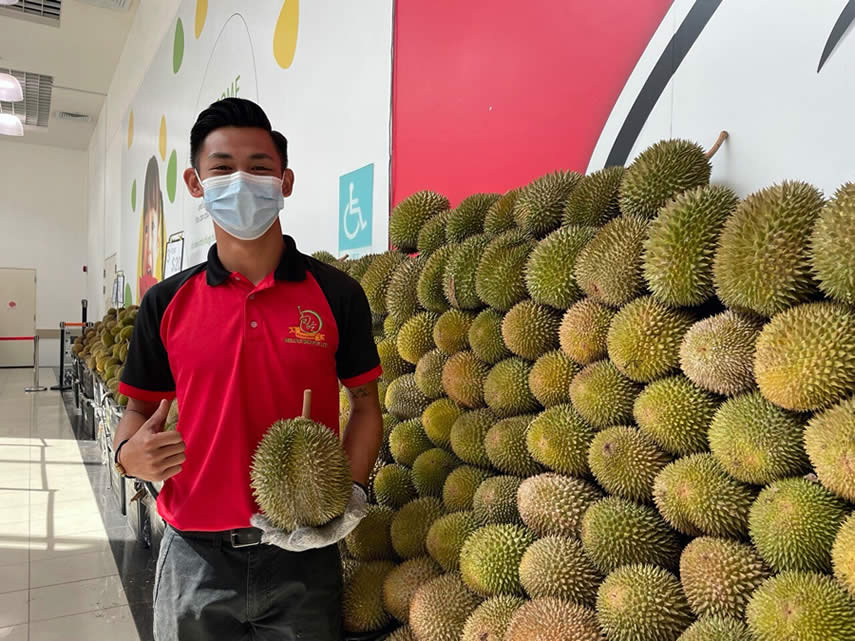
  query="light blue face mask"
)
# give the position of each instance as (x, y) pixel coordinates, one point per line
(243, 205)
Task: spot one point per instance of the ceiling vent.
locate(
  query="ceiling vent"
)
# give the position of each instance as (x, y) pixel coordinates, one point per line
(41, 11)
(71, 116)
(119, 5)
(34, 110)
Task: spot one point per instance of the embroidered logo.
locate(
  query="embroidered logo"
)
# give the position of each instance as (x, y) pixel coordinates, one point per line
(308, 330)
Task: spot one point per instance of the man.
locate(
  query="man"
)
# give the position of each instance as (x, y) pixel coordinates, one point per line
(237, 340)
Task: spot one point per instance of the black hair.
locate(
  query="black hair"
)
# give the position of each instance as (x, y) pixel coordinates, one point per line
(234, 112)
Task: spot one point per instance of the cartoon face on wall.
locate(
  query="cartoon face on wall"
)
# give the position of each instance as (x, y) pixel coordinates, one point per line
(152, 238)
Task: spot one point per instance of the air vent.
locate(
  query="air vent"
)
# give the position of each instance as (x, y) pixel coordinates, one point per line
(42, 11)
(34, 110)
(70, 115)
(120, 5)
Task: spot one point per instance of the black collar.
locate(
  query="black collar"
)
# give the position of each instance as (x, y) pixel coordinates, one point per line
(291, 268)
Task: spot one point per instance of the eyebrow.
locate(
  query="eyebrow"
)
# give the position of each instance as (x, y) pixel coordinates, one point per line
(261, 156)
(220, 155)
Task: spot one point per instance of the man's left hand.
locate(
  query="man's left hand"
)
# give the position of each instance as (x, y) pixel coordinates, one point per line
(309, 538)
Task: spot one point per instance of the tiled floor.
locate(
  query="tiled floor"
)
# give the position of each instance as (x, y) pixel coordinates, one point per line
(60, 539)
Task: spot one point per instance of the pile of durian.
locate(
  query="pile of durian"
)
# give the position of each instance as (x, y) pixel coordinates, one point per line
(104, 347)
(618, 406)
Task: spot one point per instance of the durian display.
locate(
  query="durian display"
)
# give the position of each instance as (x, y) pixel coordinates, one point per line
(620, 406)
(103, 348)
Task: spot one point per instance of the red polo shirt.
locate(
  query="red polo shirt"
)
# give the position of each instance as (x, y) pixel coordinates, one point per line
(238, 358)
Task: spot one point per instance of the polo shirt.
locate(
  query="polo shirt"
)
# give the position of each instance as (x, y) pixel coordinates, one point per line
(238, 358)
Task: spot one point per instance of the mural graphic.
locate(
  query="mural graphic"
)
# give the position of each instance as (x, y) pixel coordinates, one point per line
(590, 84)
(297, 60)
(152, 238)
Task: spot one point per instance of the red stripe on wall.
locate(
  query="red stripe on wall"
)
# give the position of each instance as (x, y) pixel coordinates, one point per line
(489, 94)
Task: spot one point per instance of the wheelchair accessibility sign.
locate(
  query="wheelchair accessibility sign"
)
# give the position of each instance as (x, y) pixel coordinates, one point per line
(355, 203)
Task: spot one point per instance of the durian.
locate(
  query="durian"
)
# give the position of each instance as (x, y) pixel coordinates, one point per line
(681, 245)
(559, 438)
(763, 263)
(549, 270)
(584, 329)
(795, 365)
(659, 173)
(610, 268)
(832, 246)
(793, 524)
(595, 199)
(506, 388)
(485, 337)
(530, 330)
(717, 353)
(490, 559)
(830, 443)
(616, 532)
(410, 215)
(551, 504)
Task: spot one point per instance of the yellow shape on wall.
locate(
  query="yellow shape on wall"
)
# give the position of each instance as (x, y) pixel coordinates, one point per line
(201, 16)
(162, 142)
(285, 34)
(130, 128)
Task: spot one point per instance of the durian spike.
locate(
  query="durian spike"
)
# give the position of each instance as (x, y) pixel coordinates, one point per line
(721, 138)
(307, 404)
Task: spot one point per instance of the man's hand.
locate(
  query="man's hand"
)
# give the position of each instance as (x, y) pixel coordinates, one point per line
(309, 538)
(152, 454)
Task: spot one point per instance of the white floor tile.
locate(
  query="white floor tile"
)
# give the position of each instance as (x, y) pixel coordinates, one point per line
(77, 543)
(74, 598)
(14, 578)
(115, 624)
(78, 567)
(13, 608)
(15, 633)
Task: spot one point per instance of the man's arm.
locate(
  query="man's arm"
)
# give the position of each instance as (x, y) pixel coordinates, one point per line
(364, 433)
(150, 453)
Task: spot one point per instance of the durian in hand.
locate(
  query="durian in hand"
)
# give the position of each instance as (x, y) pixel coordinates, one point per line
(300, 474)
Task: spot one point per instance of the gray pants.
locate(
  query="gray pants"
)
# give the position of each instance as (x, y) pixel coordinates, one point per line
(214, 592)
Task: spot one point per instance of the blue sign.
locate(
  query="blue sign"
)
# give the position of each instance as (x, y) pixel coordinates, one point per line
(355, 208)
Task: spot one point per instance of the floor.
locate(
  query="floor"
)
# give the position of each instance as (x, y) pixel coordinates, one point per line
(63, 540)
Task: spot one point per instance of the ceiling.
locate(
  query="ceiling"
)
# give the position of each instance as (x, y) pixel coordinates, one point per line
(81, 54)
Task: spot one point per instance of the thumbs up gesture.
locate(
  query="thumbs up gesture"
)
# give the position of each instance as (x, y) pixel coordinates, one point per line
(152, 454)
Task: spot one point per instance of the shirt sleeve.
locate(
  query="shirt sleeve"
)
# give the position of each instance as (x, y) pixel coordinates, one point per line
(147, 375)
(357, 360)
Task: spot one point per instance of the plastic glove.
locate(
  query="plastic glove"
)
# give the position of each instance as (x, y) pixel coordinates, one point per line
(309, 538)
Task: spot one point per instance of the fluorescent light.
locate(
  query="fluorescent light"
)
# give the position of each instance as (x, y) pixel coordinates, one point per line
(10, 88)
(10, 125)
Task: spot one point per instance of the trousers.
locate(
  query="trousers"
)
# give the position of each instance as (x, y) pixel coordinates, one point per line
(215, 592)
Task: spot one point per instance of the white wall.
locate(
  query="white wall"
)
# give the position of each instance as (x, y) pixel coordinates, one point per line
(150, 24)
(43, 215)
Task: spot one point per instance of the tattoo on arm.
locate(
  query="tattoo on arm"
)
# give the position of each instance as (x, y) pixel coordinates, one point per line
(360, 392)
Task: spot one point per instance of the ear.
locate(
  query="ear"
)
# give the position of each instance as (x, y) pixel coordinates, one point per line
(192, 182)
(287, 183)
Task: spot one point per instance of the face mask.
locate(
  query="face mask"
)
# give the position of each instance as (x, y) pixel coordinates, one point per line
(243, 205)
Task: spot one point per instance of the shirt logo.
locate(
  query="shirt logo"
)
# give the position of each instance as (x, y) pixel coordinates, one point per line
(308, 329)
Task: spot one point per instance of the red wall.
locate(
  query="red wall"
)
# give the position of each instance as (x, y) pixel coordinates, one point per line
(489, 94)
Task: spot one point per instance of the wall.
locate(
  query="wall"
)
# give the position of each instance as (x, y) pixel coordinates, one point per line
(331, 98)
(151, 23)
(44, 194)
(490, 94)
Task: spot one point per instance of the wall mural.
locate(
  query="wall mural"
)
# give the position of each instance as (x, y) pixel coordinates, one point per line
(591, 83)
(320, 70)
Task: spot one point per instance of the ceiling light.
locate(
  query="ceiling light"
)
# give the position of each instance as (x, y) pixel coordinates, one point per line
(8, 2)
(10, 125)
(10, 88)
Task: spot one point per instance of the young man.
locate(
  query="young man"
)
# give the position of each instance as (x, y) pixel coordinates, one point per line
(237, 340)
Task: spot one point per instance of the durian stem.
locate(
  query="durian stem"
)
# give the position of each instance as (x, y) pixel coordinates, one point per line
(307, 404)
(718, 143)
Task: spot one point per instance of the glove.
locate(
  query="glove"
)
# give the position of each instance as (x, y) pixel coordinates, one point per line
(309, 538)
